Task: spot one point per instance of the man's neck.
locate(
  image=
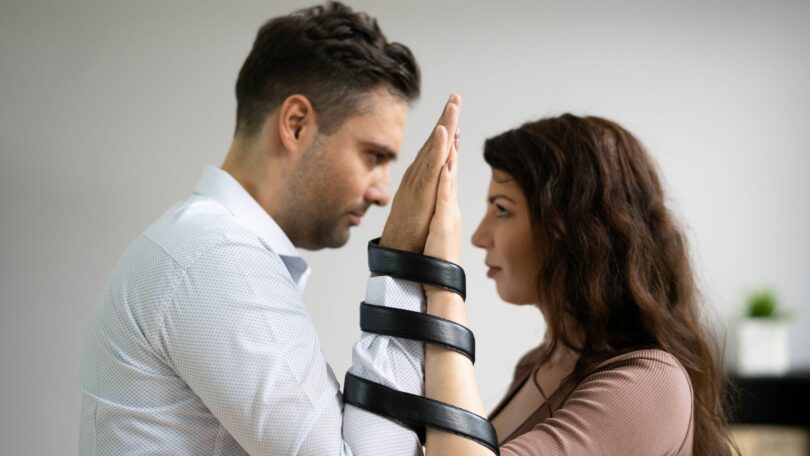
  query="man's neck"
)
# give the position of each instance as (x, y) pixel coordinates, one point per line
(262, 180)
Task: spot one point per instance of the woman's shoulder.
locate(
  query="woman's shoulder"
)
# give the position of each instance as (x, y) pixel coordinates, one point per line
(638, 402)
(649, 375)
(645, 390)
(648, 371)
(647, 364)
(649, 388)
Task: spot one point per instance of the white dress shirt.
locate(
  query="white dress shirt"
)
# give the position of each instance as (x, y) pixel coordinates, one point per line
(200, 344)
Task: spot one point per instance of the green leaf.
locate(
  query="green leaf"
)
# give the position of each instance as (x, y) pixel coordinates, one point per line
(762, 304)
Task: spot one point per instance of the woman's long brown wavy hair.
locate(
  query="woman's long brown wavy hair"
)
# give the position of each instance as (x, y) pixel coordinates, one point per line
(613, 257)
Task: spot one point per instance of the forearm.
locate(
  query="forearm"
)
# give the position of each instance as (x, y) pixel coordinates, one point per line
(393, 362)
(450, 378)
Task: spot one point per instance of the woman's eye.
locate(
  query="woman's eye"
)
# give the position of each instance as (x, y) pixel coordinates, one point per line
(500, 211)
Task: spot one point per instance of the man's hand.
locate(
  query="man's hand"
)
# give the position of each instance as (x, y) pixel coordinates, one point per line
(415, 200)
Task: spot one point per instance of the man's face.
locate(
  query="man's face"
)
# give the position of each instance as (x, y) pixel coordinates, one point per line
(345, 172)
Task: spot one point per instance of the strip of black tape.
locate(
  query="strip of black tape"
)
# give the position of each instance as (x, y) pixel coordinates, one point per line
(417, 268)
(417, 412)
(407, 324)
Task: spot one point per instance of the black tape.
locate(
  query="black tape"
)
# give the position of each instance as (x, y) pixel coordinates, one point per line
(407, 324)
(417, 412)
(416, 268)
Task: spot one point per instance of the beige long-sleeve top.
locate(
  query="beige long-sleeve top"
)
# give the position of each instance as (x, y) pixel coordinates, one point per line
(638, 403)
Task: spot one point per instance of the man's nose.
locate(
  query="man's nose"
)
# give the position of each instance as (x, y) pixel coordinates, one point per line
(379, 192)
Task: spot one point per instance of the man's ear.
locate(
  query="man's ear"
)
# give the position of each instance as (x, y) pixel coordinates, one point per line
(297, 123)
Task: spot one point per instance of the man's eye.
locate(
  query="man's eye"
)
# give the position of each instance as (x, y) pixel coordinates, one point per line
(377, 158)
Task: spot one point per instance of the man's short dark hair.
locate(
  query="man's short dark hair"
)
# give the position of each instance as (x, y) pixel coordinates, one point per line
(330, 54)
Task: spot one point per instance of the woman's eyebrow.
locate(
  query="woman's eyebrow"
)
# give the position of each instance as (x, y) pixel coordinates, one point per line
(492, 198)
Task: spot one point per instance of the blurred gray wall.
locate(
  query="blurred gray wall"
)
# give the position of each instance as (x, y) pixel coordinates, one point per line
(109, 111)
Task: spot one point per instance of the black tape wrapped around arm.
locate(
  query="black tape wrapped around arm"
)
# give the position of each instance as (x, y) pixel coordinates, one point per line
(416, 268)
(407, 324)
(417, 412)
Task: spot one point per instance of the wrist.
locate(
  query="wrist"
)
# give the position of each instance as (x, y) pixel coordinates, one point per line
(445, 304)
(395, 242)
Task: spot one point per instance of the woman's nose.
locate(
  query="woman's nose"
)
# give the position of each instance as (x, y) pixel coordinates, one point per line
(479, 237)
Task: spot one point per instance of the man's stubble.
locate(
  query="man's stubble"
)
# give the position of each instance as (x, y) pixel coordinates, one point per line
(315, 206)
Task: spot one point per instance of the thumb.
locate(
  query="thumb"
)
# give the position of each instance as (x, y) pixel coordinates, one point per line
(453, 168)
(445, 190)
(438, 152)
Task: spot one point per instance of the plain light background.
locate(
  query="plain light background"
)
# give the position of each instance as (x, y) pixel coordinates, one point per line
(110, 110)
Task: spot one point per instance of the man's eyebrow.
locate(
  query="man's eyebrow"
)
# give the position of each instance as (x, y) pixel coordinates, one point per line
(492, 198)
(389, 153)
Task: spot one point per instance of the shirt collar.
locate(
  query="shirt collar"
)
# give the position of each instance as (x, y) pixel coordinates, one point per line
(220, 186)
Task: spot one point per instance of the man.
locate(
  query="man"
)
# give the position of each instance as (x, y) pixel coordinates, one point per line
(200, 343)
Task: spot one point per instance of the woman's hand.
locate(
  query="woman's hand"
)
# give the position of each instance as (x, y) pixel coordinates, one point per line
(444, 233)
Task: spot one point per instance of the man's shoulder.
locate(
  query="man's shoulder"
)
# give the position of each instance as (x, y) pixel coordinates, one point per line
(199, 225)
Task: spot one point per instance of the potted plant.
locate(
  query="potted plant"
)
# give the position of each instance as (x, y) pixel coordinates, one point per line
(763, 336)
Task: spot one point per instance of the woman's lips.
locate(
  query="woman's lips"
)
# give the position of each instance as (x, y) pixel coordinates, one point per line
(492, 271)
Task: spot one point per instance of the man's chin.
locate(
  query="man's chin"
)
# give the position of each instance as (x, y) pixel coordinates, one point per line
(333, 240)
(339, 242)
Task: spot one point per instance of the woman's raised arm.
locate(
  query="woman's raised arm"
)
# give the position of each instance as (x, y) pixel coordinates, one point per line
(449, 375)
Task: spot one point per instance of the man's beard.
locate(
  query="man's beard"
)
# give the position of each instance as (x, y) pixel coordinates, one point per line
(319, 224)
(317, 217)
(327, 229)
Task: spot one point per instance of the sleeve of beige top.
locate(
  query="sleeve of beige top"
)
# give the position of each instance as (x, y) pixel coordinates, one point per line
(643, 407)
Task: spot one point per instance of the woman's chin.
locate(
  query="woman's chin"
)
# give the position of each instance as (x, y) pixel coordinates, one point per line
(513, 296)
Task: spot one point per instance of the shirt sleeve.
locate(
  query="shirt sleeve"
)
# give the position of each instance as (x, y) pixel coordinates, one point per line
(238, 335)
(393, 362)
(642, 408)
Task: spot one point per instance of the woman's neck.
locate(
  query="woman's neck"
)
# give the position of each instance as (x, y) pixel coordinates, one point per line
(574, 334)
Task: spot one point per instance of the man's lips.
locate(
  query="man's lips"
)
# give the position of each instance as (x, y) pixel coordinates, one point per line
(355, 217)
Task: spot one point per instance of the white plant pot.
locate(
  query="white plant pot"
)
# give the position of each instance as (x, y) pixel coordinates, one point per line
(763, 347)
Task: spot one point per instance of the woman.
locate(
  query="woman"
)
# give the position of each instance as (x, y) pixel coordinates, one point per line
(576, 224)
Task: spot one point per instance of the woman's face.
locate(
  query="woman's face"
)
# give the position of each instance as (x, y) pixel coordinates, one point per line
(506, 234)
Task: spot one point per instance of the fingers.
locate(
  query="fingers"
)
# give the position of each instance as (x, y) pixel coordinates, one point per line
(453, 169)
(440, 142)
(449, 120)
(429, 162)
(444, 192)
(449, 117)
(445, 224)
(447, 193)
